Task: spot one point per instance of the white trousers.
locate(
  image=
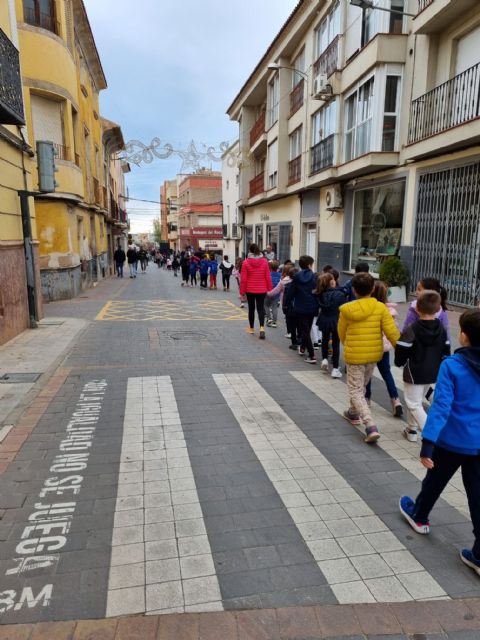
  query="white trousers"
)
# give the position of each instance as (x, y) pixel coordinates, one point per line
(414, 394)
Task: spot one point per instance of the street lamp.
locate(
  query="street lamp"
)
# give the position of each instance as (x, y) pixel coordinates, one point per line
(274, 66)
(368, 4)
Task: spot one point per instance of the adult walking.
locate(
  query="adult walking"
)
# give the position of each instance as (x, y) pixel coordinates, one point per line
(226, 268)
(254, 283)
(269, 253)
(119, 257)
(132, 259)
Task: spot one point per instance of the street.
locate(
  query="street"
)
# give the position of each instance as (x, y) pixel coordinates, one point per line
(180, 465)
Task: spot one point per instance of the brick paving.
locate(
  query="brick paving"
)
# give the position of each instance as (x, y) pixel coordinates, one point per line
(242, 489)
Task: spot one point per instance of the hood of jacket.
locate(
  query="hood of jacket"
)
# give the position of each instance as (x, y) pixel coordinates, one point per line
(306, 276)
(332, 298)
(256, 262)
(226, 264)
(359, 309)
(471, 355)
(429, 331)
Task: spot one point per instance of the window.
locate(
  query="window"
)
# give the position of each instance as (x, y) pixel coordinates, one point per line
(390, 113)
(396, 17)
(299, 66)
(324, 123)
(273, 101)
(259, 235)
(47, 119)
(327, 31)
(369, 25)
(40, 13)
(272, 164)
(227, 185)
(358, 121)
(296, 144)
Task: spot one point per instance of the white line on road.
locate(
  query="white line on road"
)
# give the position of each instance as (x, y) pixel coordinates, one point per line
(161, 558)
(360, 558)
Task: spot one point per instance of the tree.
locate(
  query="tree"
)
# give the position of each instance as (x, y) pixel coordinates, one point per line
(157, 231)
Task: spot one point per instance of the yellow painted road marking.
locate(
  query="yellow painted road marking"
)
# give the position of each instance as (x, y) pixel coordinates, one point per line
(173, 310)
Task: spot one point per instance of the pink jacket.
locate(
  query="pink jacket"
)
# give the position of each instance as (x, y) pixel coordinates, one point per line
(391, 306)
(255, 276)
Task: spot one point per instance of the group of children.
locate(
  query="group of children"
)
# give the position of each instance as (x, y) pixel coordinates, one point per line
(207, 267)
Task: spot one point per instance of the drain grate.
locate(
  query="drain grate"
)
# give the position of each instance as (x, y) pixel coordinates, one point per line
(19, 378)
(188, 335)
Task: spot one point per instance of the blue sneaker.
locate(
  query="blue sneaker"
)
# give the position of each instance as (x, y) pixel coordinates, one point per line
(407, 505)
(470, 560)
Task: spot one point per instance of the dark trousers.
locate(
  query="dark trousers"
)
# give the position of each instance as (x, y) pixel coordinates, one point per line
(226, 280)
(203, 280)
(185, 275)
(327, 334)
(384, 367)
(291, 322)
(193, 278)
(304, 326)
(446, 464)
(258, 300)
(119, 266)
(143, 263)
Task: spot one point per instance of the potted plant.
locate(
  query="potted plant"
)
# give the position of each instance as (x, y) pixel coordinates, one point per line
(395, 275)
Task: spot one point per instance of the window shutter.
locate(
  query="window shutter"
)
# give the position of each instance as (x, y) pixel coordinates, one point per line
(47, 119)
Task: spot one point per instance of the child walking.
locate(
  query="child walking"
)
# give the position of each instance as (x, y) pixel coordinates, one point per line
(271, 302)
(451, 436)
(226, 268)
(419, 351)
(330, 299)
(213, 264)
(361, 326)
(204, 266)
(193, 271)
(430, 284)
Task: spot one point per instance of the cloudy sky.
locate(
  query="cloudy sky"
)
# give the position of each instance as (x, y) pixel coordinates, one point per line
(173, 67)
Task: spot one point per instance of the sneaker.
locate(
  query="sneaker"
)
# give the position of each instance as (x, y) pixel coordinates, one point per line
(371, 434)
(410, 434)
(407, 505)
(269, 323)
(353, 418)
(224, 288)
(336, 373)
(301, 352)
(262, 333)
(470, 560)
(397, 408)
(241, 305)
(324, 365)
(288, 335)
(251, 331)
(311, 360)
(316, 346)
(293, 347)
(273, 324)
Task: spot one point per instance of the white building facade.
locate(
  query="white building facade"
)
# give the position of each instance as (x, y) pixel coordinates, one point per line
(230, 196)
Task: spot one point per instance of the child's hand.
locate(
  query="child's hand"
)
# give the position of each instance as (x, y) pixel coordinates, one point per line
(427, 463)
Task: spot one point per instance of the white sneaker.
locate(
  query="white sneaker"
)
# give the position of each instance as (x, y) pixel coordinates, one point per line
(324, 365)
(336, 373)
(288, 335)
(410, 434)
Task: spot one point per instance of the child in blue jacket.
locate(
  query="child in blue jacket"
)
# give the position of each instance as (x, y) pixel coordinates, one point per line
(451, 436)
(192, 270)
(271, 302)
(213, 264)
(204, 266)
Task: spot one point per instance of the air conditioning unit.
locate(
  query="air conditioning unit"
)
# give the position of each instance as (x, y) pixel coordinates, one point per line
(333, 198)
(320, 85)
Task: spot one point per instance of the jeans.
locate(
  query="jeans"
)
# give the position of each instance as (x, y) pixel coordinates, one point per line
(133, 270)
(258, 300)
(384, 368)
(143, 263)
(304, 326)
(271, 308)
(203, 280)
(446, 464)
(193, 279)
(326, 335)
(226, 280)
(119, 268)
(414, 393)
(358, 376)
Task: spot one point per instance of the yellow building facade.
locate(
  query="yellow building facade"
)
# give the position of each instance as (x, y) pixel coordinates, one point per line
(62, 76)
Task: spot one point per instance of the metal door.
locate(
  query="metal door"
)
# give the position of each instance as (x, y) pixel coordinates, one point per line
(284, 242)
(447, 235)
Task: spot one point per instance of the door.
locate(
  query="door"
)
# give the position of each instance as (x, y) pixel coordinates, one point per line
(311, 244)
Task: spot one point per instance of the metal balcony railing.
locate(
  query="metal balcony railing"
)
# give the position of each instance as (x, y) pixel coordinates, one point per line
(39, 19)
(11, 100)
(296, 97)
(61, 151)
(450, 104)
(322, 154)
(423, 4)
(258, 129)
(327, 62)
(257, 185)
(295, 170)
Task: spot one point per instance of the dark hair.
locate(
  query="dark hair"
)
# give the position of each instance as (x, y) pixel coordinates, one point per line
(292, 271)
(225, 258)
(286, 269)
(238, 264)
(326, 268)
(432, 284)
(324, 282)
(305, 262)
(380, 291)
(334, 273)
(363, 284)
(362, 267)
(429, 302)
(470, 326)
(273, 264)
(255, 249)
(287, 261)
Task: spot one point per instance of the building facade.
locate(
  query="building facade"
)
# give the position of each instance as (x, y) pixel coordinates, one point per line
(359, 139)
(169, 213)
(200, 211)
(230, 197)
(16, 167)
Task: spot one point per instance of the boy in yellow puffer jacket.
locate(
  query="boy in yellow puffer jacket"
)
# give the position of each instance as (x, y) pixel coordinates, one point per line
(361, 327)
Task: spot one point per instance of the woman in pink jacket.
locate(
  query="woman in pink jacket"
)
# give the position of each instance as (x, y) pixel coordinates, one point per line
(254, 283)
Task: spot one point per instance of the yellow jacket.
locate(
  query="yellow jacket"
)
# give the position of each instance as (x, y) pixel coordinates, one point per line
(360, 327)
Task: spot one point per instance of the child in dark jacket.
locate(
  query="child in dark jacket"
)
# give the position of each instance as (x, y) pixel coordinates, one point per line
(204, 267)
(330, 299)
(192, 269)
(419, 351)
(451, 436)
(271, 302)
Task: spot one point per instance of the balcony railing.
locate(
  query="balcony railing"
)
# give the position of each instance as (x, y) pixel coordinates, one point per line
(61, 151)
(327, 63)
(258, 129)
(322, 154)
(423, 4)
(295, 170)
(11, 101)
(39, 19)
(296, 97)
(257, 185)
(452, 103)
(96, 191)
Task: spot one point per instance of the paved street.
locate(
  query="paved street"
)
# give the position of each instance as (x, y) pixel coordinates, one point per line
(176, 464)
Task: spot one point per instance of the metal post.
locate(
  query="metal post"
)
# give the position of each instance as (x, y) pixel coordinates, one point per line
(29, 258)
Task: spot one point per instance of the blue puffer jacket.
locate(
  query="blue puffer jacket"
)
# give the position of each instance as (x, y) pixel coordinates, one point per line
(453, 421)
(276, 277)
(330, 302)
(204, 265)
(300, 298)
(213, 267)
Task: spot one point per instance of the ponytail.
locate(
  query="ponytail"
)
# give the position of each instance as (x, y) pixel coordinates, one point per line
(434, 285)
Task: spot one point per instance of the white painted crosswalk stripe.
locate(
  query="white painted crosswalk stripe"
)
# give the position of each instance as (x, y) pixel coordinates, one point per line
(360, 558)
(161, 559)
(392, 441)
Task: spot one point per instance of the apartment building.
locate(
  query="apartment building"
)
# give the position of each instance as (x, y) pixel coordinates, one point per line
(359, 138)
(169, 212)
(200, 211)
(230, 197)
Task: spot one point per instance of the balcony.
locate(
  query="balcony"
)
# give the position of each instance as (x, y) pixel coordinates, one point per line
(257, 185)
(296, 97)
(257, 130)
(327, 63)
(451, 104)
(423, 4)
(295, 170)
(61, 151)
(44, 20)
(322, 154)
(436, 15)
(11, 101)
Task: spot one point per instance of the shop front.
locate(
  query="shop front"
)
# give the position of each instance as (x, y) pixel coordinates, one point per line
(206, 238)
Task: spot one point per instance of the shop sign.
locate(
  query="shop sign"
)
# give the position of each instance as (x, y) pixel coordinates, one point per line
(264, 217)
(207, 232)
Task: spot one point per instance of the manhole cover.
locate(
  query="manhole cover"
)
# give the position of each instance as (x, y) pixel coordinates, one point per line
(188, 335)
(19, 378)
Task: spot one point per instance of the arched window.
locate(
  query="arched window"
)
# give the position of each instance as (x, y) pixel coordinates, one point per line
(40, 13)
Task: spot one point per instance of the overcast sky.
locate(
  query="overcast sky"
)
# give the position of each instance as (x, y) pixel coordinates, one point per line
(173, 67)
